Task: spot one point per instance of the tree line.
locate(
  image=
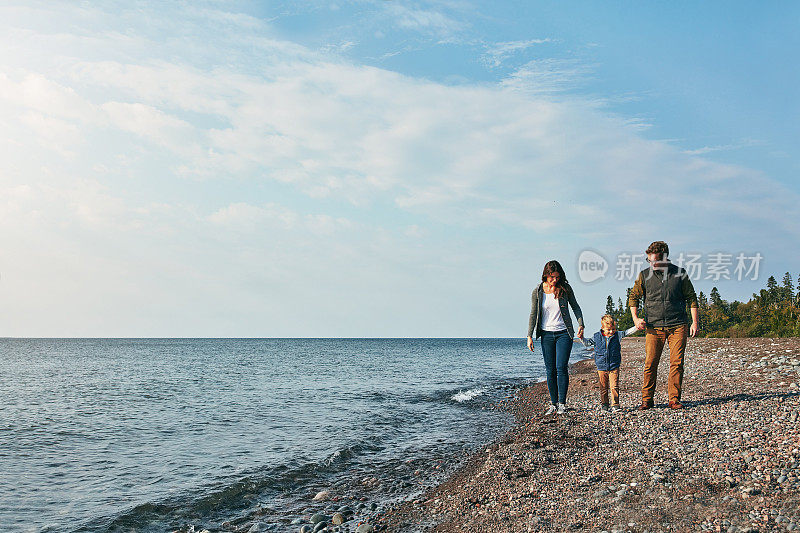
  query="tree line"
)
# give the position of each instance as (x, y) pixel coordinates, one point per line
(774, 311)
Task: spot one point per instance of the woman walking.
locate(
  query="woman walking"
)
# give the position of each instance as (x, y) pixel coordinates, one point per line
(551, 322)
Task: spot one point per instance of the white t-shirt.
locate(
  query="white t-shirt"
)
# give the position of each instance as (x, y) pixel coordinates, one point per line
(552, 320)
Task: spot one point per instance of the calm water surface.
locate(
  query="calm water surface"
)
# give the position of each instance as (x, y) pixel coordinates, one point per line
(165, 434)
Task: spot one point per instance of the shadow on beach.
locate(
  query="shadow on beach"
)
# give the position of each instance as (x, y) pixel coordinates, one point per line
(740, 398)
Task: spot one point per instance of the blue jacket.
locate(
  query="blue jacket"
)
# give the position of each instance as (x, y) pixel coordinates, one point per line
(608, 350)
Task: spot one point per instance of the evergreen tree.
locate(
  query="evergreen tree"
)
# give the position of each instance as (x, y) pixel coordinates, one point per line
(788, 289)
(716, 299)
(772, 284)
(702, 309)
(761, 298)
(624, 318)
(702, 301)
(610, 306)
(788, 297)
(773, 291)
(797, 296)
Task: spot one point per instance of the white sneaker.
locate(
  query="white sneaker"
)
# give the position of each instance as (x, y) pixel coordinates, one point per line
(615, 408)
(604, 408)
(550, 410)
(561, 409)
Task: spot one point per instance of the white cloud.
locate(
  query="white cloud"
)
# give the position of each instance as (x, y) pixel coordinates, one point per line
(36, 92)
(745, 143)
(340, 47)
(426, 20)
(497, 53)
(150, 124)
(548, 76)
(244, 217)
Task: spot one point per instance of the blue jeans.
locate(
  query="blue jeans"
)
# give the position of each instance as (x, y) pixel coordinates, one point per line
(556, 347)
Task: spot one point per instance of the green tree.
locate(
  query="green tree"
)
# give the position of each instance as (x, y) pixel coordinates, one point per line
(623, 317)
(610, 306)
(702, 309)
(702, 300)
(788, 299)
(797, 296)
(716, 299)
(788, 289)
(761, 298)
(773, 291)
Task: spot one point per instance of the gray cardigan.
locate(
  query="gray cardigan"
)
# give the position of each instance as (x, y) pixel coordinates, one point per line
(567, 296)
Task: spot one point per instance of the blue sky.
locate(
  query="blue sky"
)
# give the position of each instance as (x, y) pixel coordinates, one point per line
(378, 168)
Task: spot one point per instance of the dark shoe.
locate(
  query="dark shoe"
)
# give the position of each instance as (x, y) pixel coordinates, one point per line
(646, 405)
(675, 405)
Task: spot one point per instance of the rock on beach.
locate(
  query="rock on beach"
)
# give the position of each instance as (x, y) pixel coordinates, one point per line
(322, 496)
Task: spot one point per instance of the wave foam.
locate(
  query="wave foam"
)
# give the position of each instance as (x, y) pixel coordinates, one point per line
(467, 395)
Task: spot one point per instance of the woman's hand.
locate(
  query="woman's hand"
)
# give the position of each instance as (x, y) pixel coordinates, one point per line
(580, 332)
(530, 343)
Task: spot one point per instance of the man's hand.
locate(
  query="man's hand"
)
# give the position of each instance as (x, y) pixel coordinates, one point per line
(638, 322)
(693, 329)
(580, 332)
(530, 343)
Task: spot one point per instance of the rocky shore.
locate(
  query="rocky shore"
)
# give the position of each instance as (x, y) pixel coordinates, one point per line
(729, 461)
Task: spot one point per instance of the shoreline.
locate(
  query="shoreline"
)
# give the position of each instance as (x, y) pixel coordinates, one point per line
(729, 461)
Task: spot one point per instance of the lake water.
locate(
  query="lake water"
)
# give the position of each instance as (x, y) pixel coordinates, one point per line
(175, 434)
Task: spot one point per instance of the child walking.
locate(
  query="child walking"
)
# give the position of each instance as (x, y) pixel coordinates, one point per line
(607, 358)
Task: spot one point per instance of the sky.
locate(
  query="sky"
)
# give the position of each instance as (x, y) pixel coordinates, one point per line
(383, 168)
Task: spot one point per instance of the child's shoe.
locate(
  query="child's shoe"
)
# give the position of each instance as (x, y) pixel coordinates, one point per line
(615, 408)
(562, 408)
(604, 408)
(550, 410)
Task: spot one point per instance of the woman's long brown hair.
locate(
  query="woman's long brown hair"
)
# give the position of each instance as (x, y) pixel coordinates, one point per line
(552, 267)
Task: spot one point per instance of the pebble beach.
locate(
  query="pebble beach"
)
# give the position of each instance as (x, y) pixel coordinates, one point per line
(729, 461)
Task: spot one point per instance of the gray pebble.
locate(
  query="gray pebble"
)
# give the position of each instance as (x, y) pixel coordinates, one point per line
(319, 517)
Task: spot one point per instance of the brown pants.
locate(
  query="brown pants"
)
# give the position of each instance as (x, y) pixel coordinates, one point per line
(653, 346)
(607, 378)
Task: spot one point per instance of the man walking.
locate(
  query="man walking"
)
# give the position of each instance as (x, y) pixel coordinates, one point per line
(666, 290)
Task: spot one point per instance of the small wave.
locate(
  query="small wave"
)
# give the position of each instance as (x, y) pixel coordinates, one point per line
(467, 395)
(346, 453)
(232, 497)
